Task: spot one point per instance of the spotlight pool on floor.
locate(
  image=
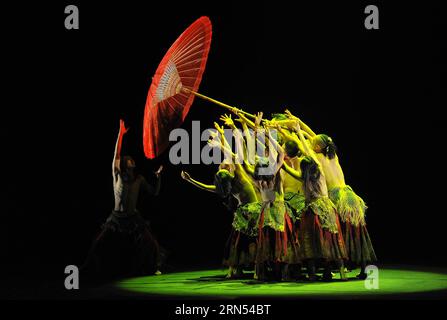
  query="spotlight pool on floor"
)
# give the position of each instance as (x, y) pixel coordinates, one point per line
(212, 283)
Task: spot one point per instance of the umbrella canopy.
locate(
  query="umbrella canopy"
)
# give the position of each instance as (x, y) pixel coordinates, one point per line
(170, 97)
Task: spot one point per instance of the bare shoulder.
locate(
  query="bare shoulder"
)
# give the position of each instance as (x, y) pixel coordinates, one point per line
(321, 158)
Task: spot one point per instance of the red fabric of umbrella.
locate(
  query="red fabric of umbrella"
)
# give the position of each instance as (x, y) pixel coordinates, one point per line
(169, 97)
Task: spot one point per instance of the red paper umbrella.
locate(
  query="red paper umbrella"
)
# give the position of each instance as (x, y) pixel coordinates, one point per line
(171, 92)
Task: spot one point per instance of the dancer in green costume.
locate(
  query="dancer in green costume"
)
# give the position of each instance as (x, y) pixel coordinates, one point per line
(350, 207)
(277, 245)
(320, 232)
(232, 181)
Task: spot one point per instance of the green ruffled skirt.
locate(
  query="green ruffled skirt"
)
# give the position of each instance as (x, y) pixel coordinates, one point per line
(320, 232)
(350, 206)
(351, 209)
(295, 203)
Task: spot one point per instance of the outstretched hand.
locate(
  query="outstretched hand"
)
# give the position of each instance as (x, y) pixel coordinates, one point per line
(227, 120)
(289, 114)
(219, 128)
(185, 175)
(258, 118)
(158, 172)
(241, 118)
(123, 128)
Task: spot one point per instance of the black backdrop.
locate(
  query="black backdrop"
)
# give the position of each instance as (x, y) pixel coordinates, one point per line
(375, 92)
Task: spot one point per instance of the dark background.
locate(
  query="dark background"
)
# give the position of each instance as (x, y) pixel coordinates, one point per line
(376, 92)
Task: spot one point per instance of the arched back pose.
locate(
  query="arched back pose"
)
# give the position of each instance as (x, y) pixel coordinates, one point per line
(320, 232)
(350, 207)
(125, 246)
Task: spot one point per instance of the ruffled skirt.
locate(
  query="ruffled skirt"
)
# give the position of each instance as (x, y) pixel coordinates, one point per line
(320, 232)
(263, 233)
(295, 203)
(240, 250)
(358, 244)
(351, 209)
(349, 205)
(276, 245)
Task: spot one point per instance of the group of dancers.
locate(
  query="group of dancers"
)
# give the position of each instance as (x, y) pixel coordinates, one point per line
(292, 207)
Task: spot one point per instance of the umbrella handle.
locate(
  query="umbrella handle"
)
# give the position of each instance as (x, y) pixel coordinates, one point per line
(226, 106)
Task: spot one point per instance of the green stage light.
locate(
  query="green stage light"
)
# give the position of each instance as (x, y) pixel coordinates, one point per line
(212, 283)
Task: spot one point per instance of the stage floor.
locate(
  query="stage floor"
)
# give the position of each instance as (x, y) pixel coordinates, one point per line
(211, 284)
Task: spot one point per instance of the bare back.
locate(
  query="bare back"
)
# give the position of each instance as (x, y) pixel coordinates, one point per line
(243, 189)
(332, 171)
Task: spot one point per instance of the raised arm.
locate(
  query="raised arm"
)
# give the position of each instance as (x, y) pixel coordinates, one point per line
(294, 173)
(228, 121)
(245, 120)
(153, 190)
(198, 184)
(306, 135)
(307, 150)
(251, 148)
(285, 123)
(252, 143)
(279, 157)
(217, 143)
(246, 170)
(257, 126)
(241, 148)
(290, 136)
(305, 127)
(150, 189)
(117, 153)
(246, 149)
(223, 146)
(221, 143)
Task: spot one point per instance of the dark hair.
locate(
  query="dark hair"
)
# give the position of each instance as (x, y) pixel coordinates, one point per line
(123, 163)
(262, 162)
(311, 177)
(126, 174)
(327, 146)
(291, 148)
(223, 181)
